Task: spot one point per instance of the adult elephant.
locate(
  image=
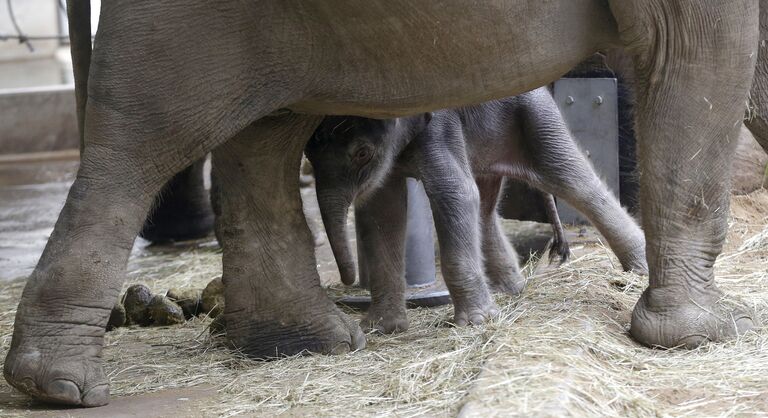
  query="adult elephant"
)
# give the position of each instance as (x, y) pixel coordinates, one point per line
(170, 81)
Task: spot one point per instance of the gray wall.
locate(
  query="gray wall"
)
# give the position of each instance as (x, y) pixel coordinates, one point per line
(38, 120)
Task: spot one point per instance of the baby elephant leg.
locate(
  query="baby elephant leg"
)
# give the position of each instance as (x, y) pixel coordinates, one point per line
(455, 203)
(558, 167)
(501, 260)
(380, 223)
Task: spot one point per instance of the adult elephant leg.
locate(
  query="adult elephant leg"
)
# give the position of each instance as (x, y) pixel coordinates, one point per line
(757, 117)
(55, 353)
(381, 224)
(275, 304)
(501, 261)
(182, 210)
(694, 61)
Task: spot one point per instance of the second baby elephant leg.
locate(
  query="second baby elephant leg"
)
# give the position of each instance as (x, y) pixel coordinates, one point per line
(501, 260)
(381, 223)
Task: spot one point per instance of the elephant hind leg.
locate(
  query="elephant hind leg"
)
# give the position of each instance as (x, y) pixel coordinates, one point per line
(690, 102)
(275, 304)
(554, 164)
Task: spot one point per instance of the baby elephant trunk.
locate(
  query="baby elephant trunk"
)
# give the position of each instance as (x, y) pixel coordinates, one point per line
(333, 208)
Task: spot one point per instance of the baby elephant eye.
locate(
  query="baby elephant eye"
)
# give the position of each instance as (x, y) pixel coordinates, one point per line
(362, 155)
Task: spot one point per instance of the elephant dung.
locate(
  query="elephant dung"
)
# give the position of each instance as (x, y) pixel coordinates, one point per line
(213, 298)
(136, 300)
(188, 299)
(117, 317)
(163, 311)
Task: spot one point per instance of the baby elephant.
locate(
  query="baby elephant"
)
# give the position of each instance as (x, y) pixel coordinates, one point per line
(462, 156)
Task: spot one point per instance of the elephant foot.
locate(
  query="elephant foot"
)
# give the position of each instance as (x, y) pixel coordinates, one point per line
(57, 363)
(277, 332)
(512, 283)
(672, 317)
(474, 312)
(386, 320)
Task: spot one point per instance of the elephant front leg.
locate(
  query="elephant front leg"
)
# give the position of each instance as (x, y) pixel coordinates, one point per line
(501, 261)
(55, 352)
(380, 222)
(689, 113)
(275, 304)
(455, 202)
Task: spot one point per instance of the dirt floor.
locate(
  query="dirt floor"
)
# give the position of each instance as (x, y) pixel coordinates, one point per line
(561, 349)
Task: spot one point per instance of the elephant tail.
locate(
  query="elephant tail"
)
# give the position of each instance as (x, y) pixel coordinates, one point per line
(559, 250)
(79, 18)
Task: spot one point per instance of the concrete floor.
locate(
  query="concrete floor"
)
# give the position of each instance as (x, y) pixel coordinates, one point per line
(31, 196)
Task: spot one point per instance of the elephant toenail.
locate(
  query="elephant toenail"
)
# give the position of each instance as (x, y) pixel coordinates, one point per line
(744, 324)
(693, 341)
(26, 384)
(97, 396)
(64, 391)
(341, 348)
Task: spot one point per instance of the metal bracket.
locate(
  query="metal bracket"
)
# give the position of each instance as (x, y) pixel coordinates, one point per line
(590, 108)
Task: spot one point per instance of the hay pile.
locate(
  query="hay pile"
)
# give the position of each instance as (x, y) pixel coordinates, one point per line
(560, 349)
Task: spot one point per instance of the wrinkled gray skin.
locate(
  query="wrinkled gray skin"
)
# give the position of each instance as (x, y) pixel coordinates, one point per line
(757, 116)
(462, 155)
(169, 81)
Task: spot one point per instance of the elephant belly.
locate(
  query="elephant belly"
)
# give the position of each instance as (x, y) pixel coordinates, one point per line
(394, 58)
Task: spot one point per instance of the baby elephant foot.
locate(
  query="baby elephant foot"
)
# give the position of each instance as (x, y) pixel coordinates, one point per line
(385, 320)
(474, 312)
(635, 263)
(671, 317)
(511, 283)
(58, 363)
(634, 260)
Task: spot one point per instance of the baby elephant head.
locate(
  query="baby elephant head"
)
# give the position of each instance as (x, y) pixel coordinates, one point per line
(351, 157)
